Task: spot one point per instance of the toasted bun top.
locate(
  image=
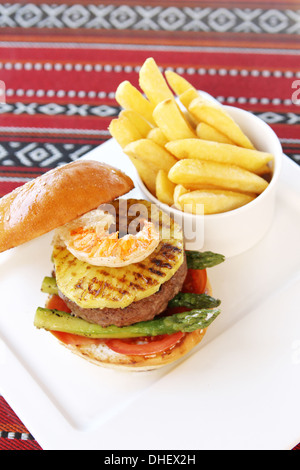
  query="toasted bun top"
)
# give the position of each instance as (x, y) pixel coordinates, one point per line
(56, 198)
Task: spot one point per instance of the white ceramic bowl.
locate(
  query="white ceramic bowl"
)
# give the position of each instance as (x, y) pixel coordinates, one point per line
(233, 232)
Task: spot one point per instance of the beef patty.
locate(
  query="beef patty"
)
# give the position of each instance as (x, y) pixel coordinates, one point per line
(142, 310)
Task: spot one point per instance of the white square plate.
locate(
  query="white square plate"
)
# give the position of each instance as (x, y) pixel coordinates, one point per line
(239, 389)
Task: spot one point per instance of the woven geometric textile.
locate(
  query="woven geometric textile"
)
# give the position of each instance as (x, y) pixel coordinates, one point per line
(61, 62)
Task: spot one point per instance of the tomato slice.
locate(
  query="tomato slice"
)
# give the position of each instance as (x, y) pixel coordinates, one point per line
(195, 281)
(144, 346)
(56, 303)
(75, 340)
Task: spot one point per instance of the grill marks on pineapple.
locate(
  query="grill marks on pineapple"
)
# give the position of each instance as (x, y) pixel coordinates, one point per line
(95, 287)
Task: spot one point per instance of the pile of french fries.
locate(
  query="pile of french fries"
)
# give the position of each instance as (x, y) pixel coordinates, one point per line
(188, 151)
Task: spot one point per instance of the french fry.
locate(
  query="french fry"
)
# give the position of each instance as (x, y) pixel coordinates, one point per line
(212, 201)
(178, 192)
(147, 174)
(139, 122)
(171, 121)
(123, 131)
(164, 188)
(130, 97)
(264, 170)
(158, 136)
(206, 132)
(178, 84)
(187, 97)
(211, 187)
(215, 115)
(152, 82)
(192, 171)
(149, 151)
(250, 160)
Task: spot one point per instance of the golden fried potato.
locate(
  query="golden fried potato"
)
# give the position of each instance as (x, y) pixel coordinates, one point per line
(264, 171)
(131, 98)
(158, 136)
(152, 82)
(147, 173)
(212, 201)
(164, 188)
(171, 121)
(206, 132)
(124, 131)
(179, 191)
(212, 187)
(216, 116)
(250, 160)
(150, 152)
(137, 120)
(187, 97)
(178, 84)
(192, 171)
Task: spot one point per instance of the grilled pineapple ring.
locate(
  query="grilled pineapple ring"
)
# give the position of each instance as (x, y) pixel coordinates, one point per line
(99, 287)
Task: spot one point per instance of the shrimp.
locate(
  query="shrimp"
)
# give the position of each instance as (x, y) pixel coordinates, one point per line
(89, 240)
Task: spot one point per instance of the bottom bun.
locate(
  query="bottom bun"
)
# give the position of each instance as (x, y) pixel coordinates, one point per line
(102, 355)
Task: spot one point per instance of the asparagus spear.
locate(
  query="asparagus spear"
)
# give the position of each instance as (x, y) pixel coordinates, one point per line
(190, 300)
(49, 285)
(187, 322)
(206, 259)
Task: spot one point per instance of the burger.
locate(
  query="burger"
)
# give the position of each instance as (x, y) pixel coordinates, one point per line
(123, 292)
